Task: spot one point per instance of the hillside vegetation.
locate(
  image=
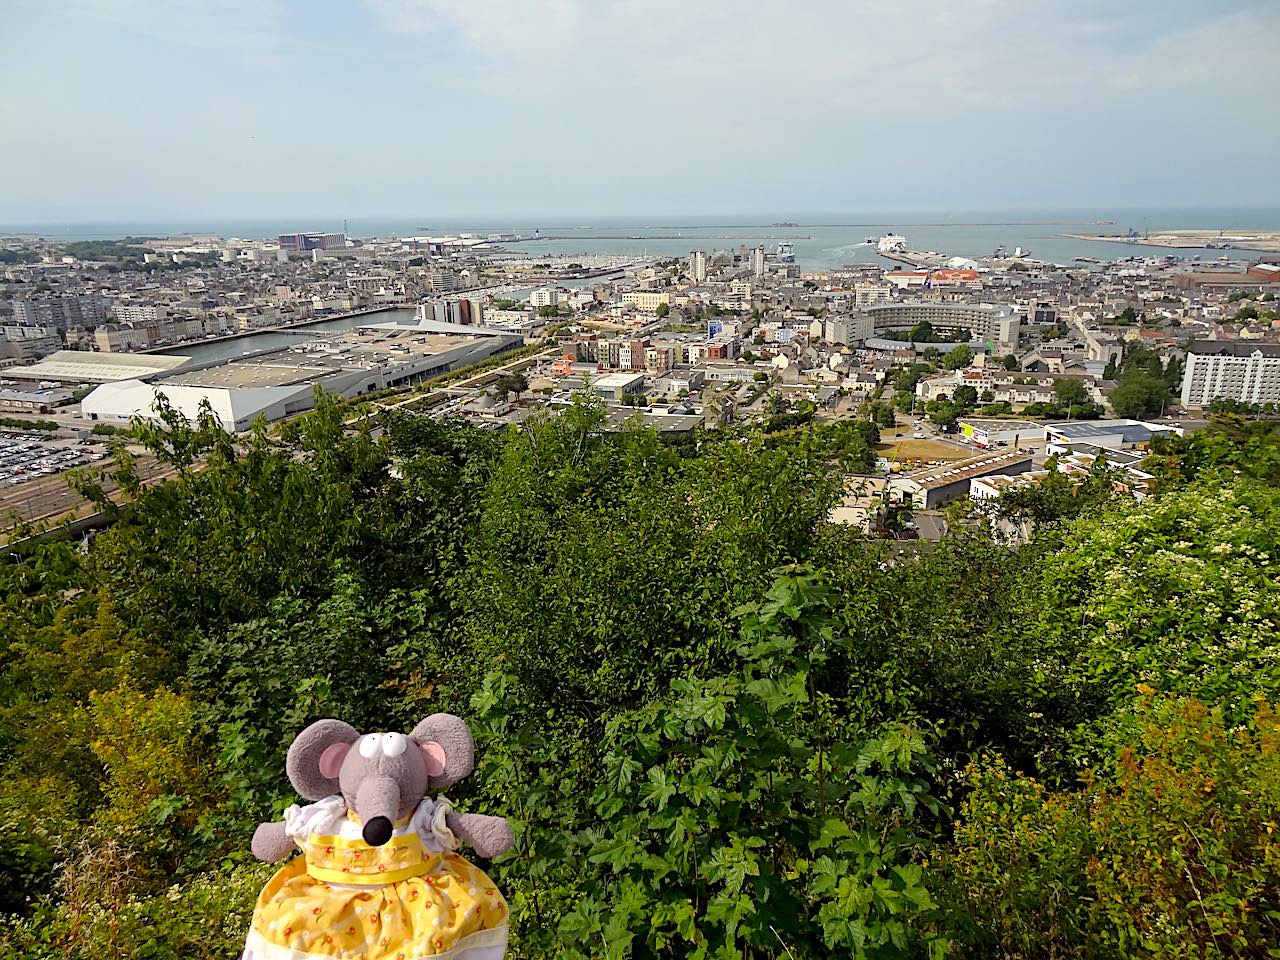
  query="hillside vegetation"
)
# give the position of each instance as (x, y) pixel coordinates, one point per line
(721, 726)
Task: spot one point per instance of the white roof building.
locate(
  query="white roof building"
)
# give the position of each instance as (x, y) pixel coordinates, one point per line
(282, 383)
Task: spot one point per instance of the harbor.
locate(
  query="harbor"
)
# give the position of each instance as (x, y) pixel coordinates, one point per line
(1260, 241)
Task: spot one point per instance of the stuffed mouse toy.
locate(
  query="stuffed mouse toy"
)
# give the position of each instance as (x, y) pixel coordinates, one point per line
(380, 877)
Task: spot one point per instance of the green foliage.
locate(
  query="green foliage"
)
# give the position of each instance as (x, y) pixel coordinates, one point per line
(958, 357)
(1169, 851)
(1221, 405)
(1070, 392)
(944, 412)
(1056, 411)
(516, 383)
(1058, 497)
(844, 445)
(18, 423)
(707, 706)
(1178, 592)
(923, 332)
(1138, 394)
(728, 818)
(129, 248)
(204, 918)
(908, 377)
(1226, 447)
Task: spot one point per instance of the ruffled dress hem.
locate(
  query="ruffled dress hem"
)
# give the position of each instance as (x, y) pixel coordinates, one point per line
(481, 945)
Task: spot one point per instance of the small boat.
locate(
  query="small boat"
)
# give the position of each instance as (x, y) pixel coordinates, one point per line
(871, 240)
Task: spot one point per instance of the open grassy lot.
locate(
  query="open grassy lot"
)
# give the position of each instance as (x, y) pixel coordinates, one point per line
(910, 449)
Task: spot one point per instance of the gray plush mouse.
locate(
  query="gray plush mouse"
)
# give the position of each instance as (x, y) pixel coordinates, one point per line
(380, 866)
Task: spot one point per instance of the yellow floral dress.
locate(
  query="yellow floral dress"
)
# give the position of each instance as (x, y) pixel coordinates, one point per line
(411, 899)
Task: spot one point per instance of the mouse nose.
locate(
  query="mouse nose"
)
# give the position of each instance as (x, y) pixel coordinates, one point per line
(377, 831)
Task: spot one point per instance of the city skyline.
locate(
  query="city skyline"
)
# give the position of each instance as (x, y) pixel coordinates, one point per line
(134, 111)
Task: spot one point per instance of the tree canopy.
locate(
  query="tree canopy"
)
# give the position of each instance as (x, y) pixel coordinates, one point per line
(721, 723)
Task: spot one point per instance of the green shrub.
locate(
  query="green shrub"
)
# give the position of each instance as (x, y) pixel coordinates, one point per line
(1180, 592)
(1172, 851)
(102, 914)
(729, 818)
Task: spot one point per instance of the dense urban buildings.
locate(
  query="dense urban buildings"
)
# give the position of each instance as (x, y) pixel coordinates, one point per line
(715, 335)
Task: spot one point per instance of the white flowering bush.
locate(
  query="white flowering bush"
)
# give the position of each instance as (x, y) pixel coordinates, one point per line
(1179, 593)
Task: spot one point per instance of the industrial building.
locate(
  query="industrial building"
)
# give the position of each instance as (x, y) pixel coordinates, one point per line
(615, 386)
(1241, 370)
(936, 486)
(994, 433)
(73, 368)
(282, 383)
(1109, 434)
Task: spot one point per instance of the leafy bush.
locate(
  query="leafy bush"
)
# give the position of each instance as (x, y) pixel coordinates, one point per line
(691, 769)
(729, 817)
(1171, 851)
(100, 915)
(1180, 592)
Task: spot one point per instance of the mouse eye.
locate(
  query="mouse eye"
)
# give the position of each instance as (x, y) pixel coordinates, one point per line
(394, 744)
(369, 745)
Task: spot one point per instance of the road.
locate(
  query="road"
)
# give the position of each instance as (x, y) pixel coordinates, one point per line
(51, 499)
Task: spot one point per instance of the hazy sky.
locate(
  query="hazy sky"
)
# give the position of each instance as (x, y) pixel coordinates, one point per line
(147, 109)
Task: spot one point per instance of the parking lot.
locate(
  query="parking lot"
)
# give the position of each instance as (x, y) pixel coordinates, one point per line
(25, 456)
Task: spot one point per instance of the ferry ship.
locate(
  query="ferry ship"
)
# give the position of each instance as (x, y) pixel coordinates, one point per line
(891, 243)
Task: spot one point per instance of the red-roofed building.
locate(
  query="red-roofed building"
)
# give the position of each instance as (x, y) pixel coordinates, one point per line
(954, 276)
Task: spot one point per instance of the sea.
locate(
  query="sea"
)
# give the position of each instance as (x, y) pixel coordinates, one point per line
(819, 242)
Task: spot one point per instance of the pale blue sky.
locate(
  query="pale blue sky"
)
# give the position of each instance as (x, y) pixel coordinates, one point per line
(452, 108)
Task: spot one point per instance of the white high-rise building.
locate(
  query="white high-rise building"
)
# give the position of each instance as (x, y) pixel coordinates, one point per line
(847, 329)
(867, 294)
(1241, 370)
(698, 266)
(757, 262)
(545, 297)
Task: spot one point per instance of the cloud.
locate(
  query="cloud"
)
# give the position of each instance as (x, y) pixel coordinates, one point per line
(252, 31)
(832, 56)
(499, 105)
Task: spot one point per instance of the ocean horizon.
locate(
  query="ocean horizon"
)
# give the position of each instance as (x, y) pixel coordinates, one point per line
(820, 241)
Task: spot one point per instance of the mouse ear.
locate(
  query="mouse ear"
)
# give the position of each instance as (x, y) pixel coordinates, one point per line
(447, 748)
(316, 756)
